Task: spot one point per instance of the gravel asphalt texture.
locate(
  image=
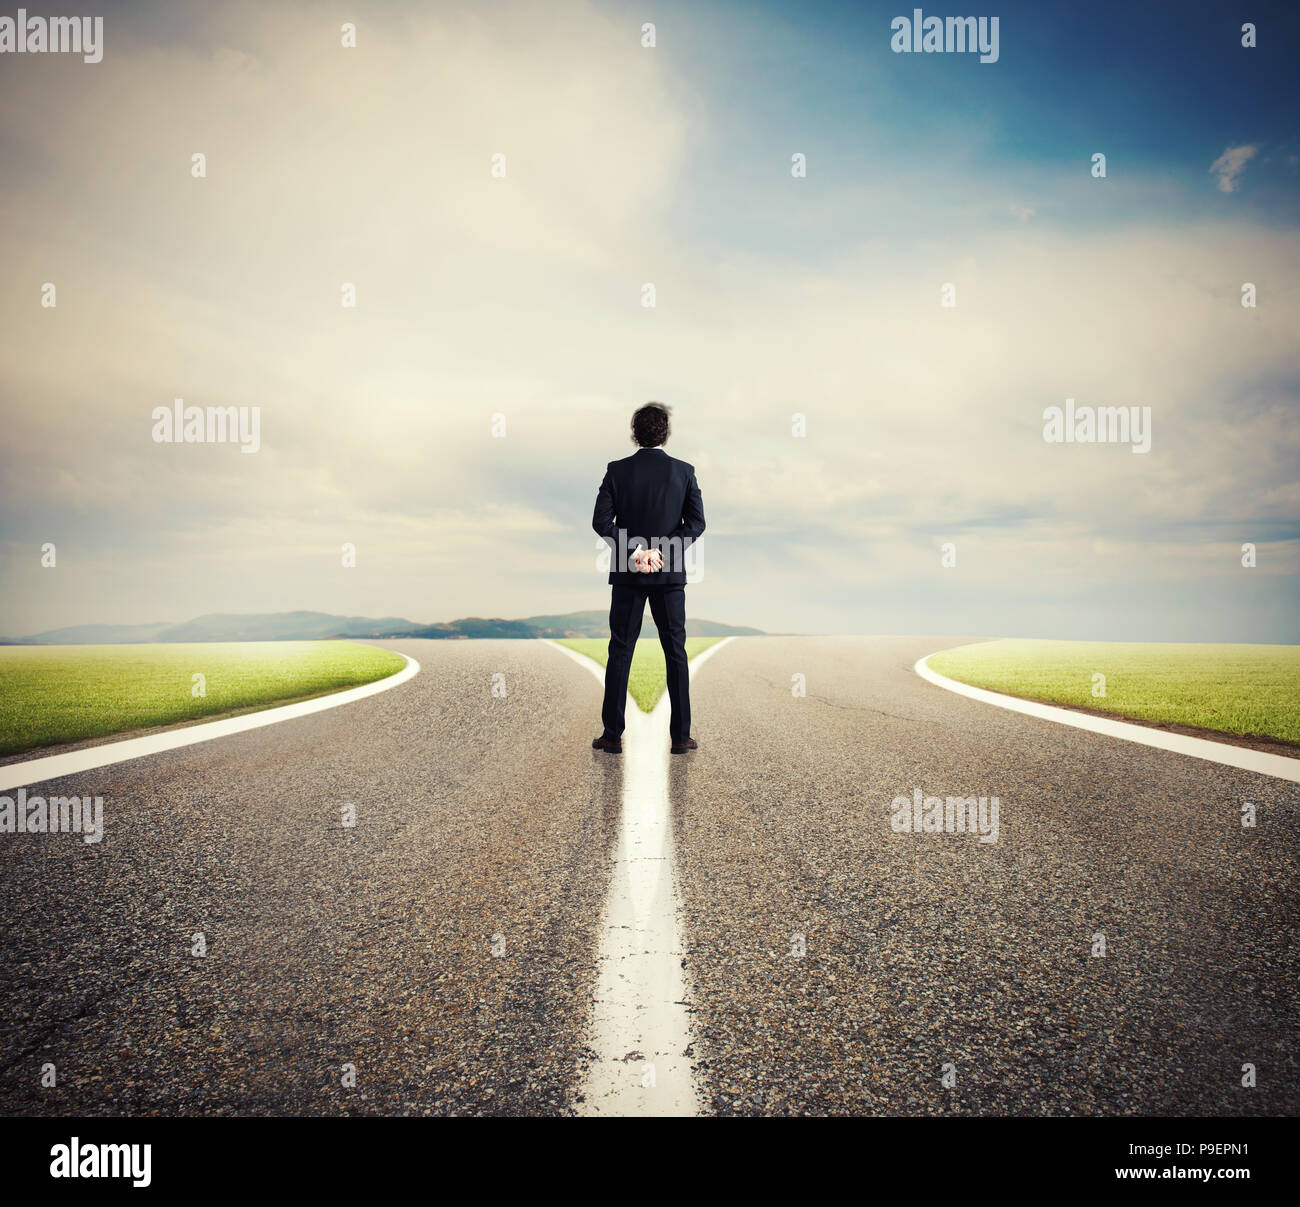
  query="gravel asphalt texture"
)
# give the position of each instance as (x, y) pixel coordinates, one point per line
(371, 945)
(931, 950)
(477, 816)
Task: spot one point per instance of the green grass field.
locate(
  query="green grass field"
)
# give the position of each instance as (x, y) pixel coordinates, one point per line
(1239, 689)
(64, 693)
(649, 677)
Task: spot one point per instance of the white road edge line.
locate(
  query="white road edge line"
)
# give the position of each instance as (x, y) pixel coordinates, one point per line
(581, 659)
(56, 766)
(1261, 762)
(641, 1024)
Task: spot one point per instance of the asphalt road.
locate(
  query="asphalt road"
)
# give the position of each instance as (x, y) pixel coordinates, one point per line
(370, 945)
(934, 949)
(373, 945)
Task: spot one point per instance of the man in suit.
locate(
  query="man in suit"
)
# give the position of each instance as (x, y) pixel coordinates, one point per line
(649, 510)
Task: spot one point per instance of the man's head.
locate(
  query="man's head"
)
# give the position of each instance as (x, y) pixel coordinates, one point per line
(650, 425)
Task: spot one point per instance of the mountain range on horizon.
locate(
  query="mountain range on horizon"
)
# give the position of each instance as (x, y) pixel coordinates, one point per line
(320, 626)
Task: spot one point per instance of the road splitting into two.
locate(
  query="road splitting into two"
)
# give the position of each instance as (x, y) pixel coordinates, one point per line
(640, 1018)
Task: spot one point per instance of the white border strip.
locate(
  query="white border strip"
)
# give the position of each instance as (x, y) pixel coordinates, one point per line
(581, 659)
(55, 766)
(705, 655)
(1259, 761)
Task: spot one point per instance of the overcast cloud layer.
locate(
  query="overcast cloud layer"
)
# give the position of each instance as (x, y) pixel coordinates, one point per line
(521, 296)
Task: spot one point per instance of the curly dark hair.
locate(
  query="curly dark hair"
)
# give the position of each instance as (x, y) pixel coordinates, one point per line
(650, 426)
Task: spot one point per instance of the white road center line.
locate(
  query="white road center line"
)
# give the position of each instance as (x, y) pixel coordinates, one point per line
(640, 1026)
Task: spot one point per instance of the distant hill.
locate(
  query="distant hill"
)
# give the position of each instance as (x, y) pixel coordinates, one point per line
(473, 626)
(284, 626)
(314, 626)
(95, 634)
(265, 626)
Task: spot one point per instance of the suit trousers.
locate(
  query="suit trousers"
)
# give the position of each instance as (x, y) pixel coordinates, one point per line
(626, 609)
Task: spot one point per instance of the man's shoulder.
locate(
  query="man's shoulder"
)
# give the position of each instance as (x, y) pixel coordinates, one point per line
(674, 463)
(681, 470)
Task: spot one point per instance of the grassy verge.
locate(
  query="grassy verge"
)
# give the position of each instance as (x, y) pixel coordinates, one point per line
(66, 693)
(649, 677)
(1249, 690)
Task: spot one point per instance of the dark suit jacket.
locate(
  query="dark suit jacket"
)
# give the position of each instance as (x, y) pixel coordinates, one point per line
(653, 500)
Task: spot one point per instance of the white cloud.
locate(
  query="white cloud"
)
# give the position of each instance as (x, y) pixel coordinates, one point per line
(1231, 164)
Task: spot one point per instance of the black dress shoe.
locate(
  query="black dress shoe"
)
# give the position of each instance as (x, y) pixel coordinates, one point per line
(608, 745)
(684, 745)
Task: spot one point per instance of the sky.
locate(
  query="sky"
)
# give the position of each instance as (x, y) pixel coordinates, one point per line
(454, 424)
